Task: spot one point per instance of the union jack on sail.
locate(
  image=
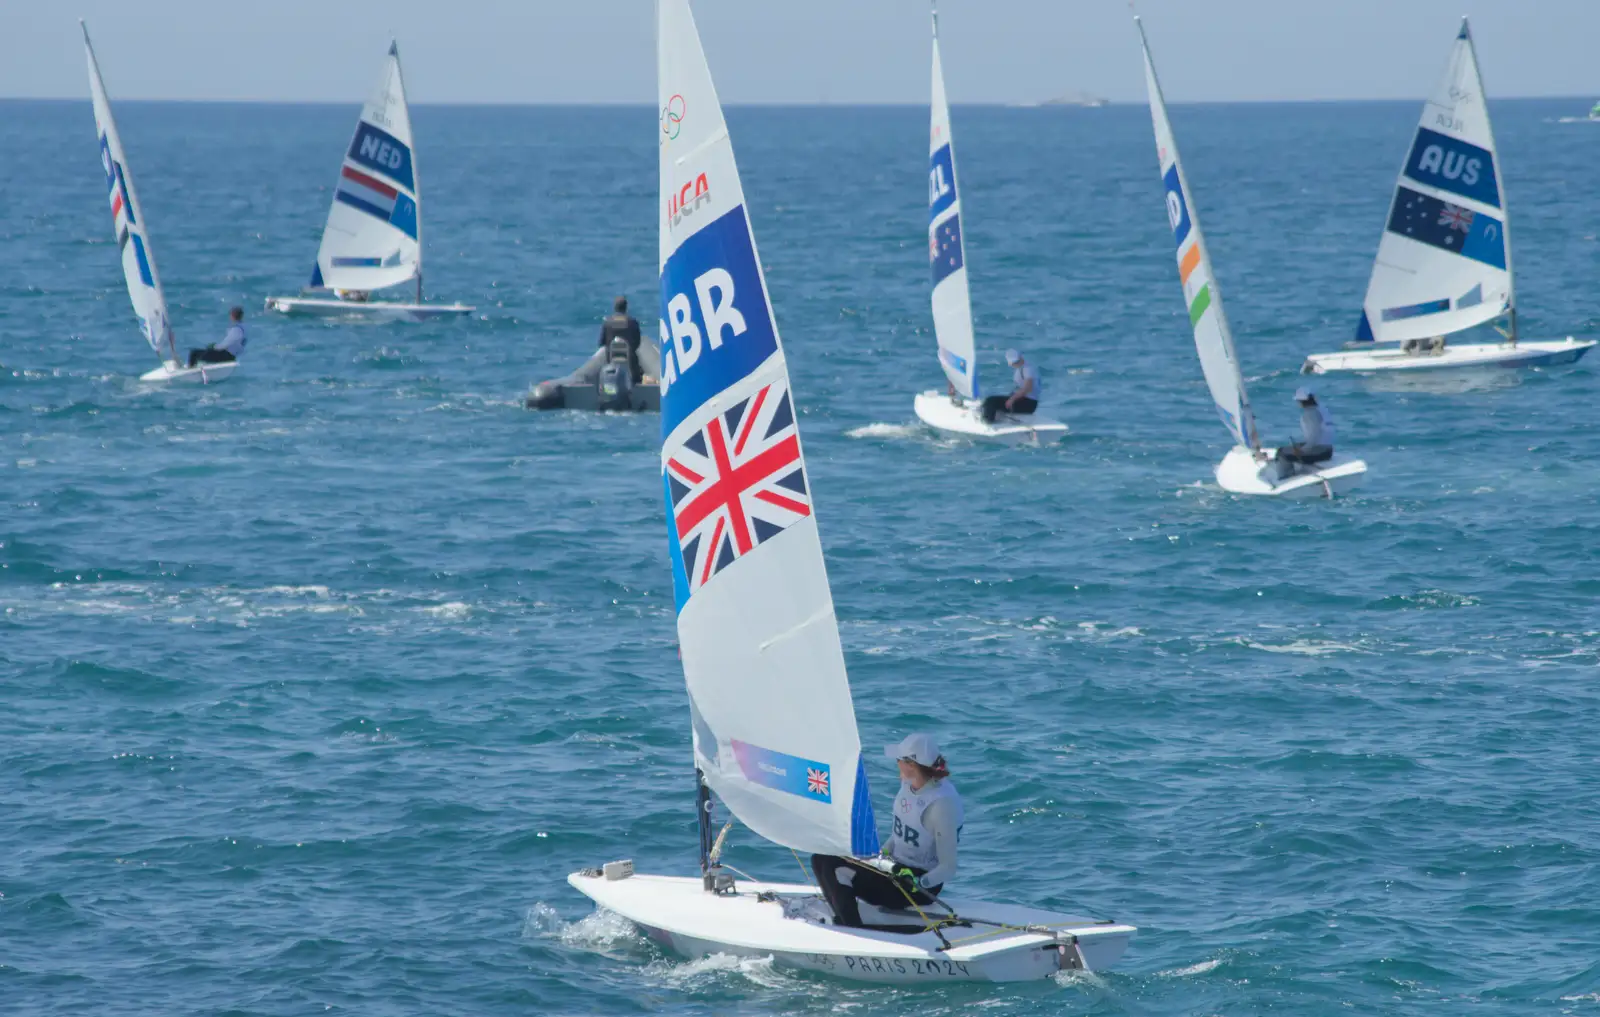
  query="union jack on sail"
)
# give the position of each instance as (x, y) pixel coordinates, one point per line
(737, 482)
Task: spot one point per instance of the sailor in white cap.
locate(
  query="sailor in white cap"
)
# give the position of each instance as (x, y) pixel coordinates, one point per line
(1024, 397)
(920, 856)
(1316, 426)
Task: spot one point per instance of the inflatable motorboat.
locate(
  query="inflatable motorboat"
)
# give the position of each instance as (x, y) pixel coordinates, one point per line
(604, 383)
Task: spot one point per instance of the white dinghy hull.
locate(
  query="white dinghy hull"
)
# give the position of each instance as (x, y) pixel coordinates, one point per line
(372, 310)
(200, 374)
(940, 412)
(1241, 472)
(762, 920)
(1542, 353)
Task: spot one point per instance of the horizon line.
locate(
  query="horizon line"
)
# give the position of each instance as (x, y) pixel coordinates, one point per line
(1055, 104)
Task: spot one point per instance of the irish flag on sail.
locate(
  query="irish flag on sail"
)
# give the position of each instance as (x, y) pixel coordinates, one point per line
(774, 727)
(1212, 338)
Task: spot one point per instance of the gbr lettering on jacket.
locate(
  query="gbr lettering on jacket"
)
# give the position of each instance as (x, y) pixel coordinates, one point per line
(682, 341)
(1452, 165)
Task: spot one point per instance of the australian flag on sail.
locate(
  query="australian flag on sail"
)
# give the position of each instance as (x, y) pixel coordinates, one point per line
(944, 248)
(1449, 227)
(735, 483)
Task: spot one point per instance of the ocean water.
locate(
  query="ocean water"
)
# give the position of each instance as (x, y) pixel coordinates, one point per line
(315, 685)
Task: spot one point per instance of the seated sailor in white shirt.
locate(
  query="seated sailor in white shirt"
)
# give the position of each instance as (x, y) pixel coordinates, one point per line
(231, 347)
(1024, 397)
(1316, 424)
(921, 856)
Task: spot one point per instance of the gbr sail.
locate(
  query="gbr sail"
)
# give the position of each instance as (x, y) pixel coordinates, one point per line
(373, 238)
(952, 301)
(1212, 338)
(127, 218)
(1444, 261)
(774, 729)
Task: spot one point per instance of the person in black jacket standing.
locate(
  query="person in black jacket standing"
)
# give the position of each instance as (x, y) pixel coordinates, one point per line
(621, 323)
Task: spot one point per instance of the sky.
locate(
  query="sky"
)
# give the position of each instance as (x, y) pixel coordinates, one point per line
(793, 51)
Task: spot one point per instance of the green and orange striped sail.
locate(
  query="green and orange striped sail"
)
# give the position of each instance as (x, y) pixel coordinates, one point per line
(1212, 339)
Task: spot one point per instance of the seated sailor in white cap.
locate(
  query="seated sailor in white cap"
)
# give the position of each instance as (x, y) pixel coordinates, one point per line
(1316, 425)
(1024, 397)
(921, 856)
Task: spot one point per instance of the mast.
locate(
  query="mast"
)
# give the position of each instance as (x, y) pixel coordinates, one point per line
(702, 808)
(416, 171)
(1500, 179)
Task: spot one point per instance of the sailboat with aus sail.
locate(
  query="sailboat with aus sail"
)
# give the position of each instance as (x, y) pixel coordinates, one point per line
(1444, 260)
(772, 722)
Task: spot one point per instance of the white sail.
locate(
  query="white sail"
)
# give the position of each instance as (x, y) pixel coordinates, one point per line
(774, 727)
(952, 301)
(138, 259)
(1212, 339)
(373, 238)
(1444, 261)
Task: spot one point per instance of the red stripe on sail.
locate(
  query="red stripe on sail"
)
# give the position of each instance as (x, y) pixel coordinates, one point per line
(374, 183)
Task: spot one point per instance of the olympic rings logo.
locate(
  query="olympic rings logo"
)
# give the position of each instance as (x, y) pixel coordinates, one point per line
(672, 117)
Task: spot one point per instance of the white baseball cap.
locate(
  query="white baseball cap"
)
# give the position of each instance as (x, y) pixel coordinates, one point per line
(1012, 356)
(917, 746)
(1304, 393)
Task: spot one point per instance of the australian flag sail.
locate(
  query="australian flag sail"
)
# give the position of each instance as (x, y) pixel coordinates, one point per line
(373, 238)
(1212, 338)
(774, 728)
(133, 240)
(952, 300)
(1444, 260)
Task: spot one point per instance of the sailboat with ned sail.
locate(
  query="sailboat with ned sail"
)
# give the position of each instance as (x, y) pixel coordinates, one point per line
(958, 410)
(1444, 261)
(133, 238)
(373, 237)
(772, 722)
(1249, 467)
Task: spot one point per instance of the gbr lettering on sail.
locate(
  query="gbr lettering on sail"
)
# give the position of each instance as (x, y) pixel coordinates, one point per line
(716, 326)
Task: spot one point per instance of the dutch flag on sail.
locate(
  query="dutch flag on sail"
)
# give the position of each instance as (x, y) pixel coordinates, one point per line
(378, 199)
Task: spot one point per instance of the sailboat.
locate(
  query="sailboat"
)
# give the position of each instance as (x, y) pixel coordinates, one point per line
(373, 238)
(771, 719)
(133, 237)
(1248, 468)
(1444, 261)
(959, 409)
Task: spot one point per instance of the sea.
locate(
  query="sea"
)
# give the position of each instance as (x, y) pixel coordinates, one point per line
(314, 686)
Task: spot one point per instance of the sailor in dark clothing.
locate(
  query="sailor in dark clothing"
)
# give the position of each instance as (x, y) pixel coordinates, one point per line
(621, 324)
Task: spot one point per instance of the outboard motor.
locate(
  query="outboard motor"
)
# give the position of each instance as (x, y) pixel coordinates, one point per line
(615, 384)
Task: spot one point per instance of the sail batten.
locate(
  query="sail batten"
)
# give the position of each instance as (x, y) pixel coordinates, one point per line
(1444, 259)
(774, 728)
(947, 254)
(373, 236)
(1212, 338)
(132, 231)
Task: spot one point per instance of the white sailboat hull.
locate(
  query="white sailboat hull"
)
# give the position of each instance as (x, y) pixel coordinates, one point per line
(1542, 353)
(201, 374)
(371, 310)
(940, 412)
(1241, 472)
(677, 913)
